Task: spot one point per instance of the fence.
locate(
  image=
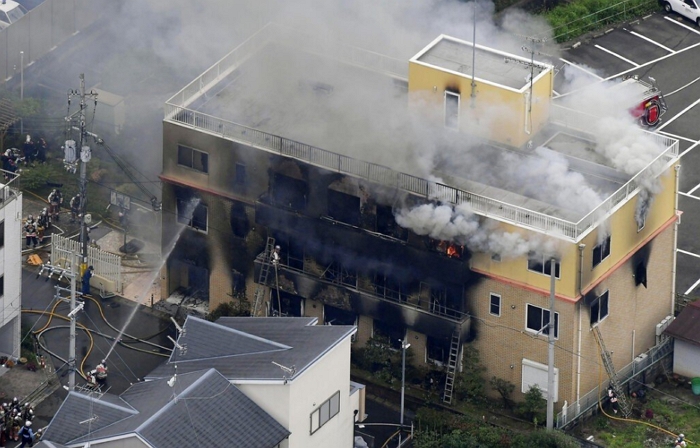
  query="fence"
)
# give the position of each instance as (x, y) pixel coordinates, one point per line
(41, 30)
(108, 266)
(628, 373)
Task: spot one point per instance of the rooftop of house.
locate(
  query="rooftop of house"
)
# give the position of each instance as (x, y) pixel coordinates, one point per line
(346, 109)
(201, 408)
(686, 326)
(248, 348)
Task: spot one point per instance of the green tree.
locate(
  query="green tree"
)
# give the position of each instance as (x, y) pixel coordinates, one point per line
(505, 390)
(469, 383)
(534, 407)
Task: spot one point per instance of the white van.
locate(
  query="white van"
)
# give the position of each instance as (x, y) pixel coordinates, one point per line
(10, 12)
(687, 8)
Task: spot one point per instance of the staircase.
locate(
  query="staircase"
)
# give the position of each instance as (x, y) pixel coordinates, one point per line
(622, 400)
(262, 279)
(451, 368)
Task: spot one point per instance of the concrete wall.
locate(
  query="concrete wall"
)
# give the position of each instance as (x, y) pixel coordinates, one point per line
(686, 359)
(11, 270)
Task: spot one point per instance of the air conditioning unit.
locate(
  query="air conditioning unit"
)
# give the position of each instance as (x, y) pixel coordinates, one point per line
(660, 327)
(640, 362)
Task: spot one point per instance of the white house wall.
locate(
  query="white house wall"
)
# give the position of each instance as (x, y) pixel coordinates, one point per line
(11, 269)
(686, 359)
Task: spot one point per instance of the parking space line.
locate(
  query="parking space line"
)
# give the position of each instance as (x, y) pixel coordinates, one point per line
(651, 41)
(654, 61)
(678, 115)
(692, 287)
(688, 195)
(679, 137)
(616, 55)
(692, 190)
(580, 68)
(682, 24)
(689, 149)
(688, 253)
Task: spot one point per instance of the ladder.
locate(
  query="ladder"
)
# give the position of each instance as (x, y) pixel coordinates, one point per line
(451, 368)
(622, 400)
(262, 278)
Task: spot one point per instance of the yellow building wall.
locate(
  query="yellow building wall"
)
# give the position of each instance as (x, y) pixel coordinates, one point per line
(496, 114)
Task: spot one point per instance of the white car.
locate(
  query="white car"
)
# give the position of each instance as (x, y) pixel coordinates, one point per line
(687, 8)
(10, 12)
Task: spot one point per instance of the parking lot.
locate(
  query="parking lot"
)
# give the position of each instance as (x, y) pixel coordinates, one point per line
(667, 48)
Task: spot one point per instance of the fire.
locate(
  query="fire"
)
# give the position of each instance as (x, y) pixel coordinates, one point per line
(451, 249)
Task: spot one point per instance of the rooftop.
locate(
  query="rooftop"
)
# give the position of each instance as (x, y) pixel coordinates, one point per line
(686, 326)
(345, 109)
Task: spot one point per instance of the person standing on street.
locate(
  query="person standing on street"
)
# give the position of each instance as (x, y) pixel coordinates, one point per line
(74, 207)
(27, 434)
(86, 280)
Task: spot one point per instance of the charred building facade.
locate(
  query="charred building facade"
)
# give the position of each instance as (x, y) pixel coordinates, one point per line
(418, 203)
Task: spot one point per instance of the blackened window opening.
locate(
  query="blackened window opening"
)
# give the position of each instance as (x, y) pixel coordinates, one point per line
(239, 220)
(291, 304)
(386, 223)
(289, 192)
(191, 211)
(600, 308)
(538, 263)
(336, 316)
(388, 334)
(538, 320)
(240, 174)
(438, 349)
(344, 207)
(192, 158)
(451, 110)
(640, 274)
(337, 273)
(2, 234)
(391, 288)
(601, 251)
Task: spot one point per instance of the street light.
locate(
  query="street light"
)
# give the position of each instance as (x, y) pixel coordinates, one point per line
(404, 346)
(21, 75)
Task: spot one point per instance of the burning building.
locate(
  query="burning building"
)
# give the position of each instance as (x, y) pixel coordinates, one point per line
(421, 200)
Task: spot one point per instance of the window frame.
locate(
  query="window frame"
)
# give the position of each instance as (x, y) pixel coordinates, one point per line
(192, 166)
(543, 330)
(598, 303)
(454, 126)
(240, 173)
(2, 233)
(603, 249)
(545, 266)
(491, 304)
(182, 220)
(326, 406)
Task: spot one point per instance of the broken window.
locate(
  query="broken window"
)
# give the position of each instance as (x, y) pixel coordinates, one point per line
(386, 223)
(239, 220)
(599, 308)
(390, 288)
(344, 207)
(289, 192)
(191, 212)
(193, 158)
(538, 320)
(451, 110)
(538, 263)
(388, 333)
(601, 251)
(337, 273)
(437, 350)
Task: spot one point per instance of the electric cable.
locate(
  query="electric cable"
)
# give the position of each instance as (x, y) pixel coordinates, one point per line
(104, 355)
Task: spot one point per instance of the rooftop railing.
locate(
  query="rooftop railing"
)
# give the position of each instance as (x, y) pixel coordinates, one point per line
(9, 187)
(176, 110)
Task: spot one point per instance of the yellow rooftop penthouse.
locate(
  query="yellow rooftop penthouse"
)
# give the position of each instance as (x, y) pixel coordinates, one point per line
(486, 92)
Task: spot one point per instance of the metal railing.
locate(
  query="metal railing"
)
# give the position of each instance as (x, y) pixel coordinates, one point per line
(588, 401)
(176, 111)
(106, 264)
(10, 187)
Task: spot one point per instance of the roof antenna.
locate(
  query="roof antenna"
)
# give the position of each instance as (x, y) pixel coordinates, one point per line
(171, 381)
(180, 330)
(287, 370)
(182, 348)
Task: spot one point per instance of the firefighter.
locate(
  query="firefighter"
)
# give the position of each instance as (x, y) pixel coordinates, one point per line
(276, 255)
(27, 434)
(41, 150)
(29, 150)
(75, 207)
(42, 224)
(28, 412)
(55, 201)
(30, 232)
(86, 280)
(680, 441)
(101, 372)
(613, 400)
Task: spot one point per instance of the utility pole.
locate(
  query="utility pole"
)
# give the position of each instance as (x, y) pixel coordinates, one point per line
(550, 339)
(85, 156)
(404, 346)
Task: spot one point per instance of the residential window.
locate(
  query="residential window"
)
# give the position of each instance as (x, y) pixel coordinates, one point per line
(599, 308)
(2, 285)
(496, 257)
(495, 305)
(328, 409)
(240, 174)
(601, 251)
(2, 234)
(193, 213)
(344, 207)
(193, 158)
(538, 263)
(451, 110)
(538, 320)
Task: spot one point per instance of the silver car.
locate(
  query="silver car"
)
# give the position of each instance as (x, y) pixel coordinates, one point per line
(687, 8)
(10, 12)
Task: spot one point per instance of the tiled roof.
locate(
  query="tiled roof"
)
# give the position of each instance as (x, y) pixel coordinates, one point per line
(687, 325)
(291, 342)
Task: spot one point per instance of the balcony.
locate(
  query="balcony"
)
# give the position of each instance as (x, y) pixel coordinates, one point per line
(415, 308)
(9, 188)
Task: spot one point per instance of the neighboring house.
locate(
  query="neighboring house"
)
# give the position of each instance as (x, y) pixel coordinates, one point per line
(685, 331)
(295, 370)
(193, 409)
(11, 243)
(286, 141)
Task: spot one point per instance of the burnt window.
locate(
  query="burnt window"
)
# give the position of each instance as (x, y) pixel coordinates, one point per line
(601, 251)
(193, 213)
(337, 316)
(640, 274)
(289, 192)
(291, 304)
(599, 308)
(193, 158)
(388, 334)
(391, 288)
(451, 110)
(2, 233)
(2, 285)
(239, 220)
(240, 174)
(437, 350)
(344, 207)
(386, 223)
(337, 273)
(537, 320)
(538, 263)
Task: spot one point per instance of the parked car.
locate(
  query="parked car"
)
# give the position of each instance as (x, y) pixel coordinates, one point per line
(687, 8)
(10, 12)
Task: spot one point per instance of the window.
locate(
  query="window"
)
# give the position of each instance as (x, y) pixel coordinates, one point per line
(328, 409)
(451, 110)
(535, 374)
(496, 257)
(538, 320)
(2, 234)
(537, 263)
(240, 174)
(192, 213)
(599, 308)
(641, 223)
(495, 306)
(2, 285)
(344, 207)
(192, 158)
(601, 251)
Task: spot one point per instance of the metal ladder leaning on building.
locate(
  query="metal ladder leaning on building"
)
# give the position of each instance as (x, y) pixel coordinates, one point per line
(623, 401)
(262, 278)
(451, 368)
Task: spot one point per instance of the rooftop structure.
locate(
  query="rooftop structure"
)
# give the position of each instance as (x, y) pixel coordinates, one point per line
(11, 241)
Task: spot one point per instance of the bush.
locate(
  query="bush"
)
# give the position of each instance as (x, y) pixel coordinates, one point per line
(229, 309)
(544, 439)
(534, 407)
(505, 390)
(36, 177)
(469, 384)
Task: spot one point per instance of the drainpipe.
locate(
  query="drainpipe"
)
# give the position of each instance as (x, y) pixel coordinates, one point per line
(581, 247)
(675, 244)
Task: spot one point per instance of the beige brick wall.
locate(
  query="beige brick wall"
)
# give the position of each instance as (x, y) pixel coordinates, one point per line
(314, 308)
(418, 343)
(365, 324)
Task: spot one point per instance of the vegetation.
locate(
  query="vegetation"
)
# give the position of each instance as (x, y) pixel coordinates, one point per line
(534, 407)
(505, 390)
(229, 309)
(572, 19)
(469, 384)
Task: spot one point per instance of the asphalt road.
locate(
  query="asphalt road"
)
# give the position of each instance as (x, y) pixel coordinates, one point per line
(667, 48)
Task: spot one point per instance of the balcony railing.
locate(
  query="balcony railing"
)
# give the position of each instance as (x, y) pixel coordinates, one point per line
(9, 187)
(176, 110)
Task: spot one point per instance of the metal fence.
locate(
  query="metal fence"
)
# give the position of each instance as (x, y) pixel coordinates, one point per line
(41, 30)
(628, 373)
(107, 265)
